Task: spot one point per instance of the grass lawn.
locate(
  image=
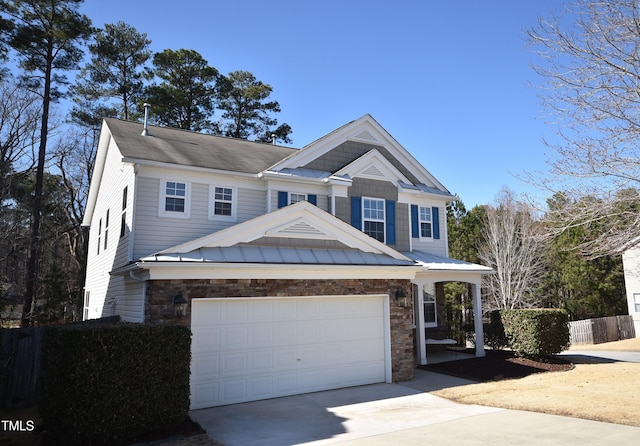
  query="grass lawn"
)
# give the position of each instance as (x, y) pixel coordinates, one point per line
(602, 392)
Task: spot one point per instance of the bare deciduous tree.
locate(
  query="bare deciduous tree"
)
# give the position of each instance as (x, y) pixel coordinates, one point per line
(19, 127)
(512, 245)
(590, 59)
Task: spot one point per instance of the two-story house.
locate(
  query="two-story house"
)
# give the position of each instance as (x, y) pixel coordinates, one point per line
(296, 270)
(631, 263)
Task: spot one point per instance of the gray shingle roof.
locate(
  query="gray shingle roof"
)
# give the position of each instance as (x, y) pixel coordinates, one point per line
(187, 148)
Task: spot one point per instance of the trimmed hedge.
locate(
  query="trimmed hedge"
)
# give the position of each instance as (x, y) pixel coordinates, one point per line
(536, 332)
(494, 335)
(110, 384)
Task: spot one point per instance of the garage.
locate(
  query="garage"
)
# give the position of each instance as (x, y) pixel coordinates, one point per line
(247, 349)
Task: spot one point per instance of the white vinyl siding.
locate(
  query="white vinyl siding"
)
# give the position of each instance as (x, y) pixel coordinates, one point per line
(113, 250)
(434, 246)
(153, 234)
(631, 263)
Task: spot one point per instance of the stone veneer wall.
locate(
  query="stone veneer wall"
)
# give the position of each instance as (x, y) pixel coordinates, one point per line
(159, 307)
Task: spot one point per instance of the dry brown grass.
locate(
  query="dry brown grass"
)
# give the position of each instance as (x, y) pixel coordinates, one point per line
(602, 392)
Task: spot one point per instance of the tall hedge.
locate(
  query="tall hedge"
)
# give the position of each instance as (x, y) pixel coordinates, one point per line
(109, 384)
(536, 332)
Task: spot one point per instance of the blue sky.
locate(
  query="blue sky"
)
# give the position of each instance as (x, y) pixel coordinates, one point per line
(449, 80)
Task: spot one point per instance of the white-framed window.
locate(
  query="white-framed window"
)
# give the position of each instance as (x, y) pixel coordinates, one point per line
(222, 202)
(430, 307)
(373, 218)
(86, 306)
(636, 302)
(106, 230)
(123, 216)
(425, 222)
(174, 199)
(294, 197)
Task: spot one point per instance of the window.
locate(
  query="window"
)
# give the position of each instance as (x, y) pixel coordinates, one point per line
(175, 195)
(174, 199)
(123, 218)
(636, 301)
(294, 198)
(425, 222)
(286, 198)
(86, 306)
(373, 218)
(222, 202)
(99, 234)
(106, 230)
(124, 198)
(123, 224)
(429, 300)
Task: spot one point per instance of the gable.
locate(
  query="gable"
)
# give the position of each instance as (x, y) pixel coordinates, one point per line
(351, 141)
(374, 166)
(301, 221)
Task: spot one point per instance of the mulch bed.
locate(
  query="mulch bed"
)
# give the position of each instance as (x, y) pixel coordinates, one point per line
(497, 365)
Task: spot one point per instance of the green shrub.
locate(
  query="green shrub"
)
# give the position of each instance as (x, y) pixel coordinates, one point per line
(109, 384)
(536, 332)
(494, 335)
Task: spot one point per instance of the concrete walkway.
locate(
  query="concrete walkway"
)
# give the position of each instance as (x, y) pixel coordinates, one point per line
(578, 356)
(403, 414)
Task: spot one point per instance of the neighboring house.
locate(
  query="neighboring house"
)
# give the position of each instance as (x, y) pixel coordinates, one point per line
(302, 270)
(631, 264)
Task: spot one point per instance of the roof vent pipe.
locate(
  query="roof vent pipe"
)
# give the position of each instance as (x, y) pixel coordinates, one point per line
(273, 138)
(145, 130)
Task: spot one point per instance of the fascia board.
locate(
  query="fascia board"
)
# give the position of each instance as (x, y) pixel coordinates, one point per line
(414, 196)
(98, 171)
(177, 270)
(182, 167)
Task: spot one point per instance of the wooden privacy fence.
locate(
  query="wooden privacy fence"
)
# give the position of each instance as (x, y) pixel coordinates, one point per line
(602, 329)
(20, 366)
(20, 359)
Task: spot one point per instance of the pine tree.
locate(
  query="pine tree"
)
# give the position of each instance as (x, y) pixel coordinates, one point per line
(45, 35)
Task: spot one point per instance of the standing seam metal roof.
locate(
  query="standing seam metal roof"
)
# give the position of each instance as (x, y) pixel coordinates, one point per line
(277, 255)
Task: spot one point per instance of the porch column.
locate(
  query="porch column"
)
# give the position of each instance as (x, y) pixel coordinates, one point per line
(477, 318)
(421, 343)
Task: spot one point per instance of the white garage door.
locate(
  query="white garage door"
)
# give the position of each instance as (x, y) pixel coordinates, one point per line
(252, 349)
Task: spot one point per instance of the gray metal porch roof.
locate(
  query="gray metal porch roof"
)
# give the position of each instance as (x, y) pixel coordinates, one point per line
(437, 262)
(279, 255)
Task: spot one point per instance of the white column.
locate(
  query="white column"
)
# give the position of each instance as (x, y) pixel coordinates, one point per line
(268, 200)
(477, 318)
(421, 345)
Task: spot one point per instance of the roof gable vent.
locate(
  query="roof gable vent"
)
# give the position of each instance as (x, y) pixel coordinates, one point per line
(372, 171)
(300, 228)
(366, 135)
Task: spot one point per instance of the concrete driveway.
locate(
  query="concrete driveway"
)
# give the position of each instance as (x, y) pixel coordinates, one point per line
(390, 414)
